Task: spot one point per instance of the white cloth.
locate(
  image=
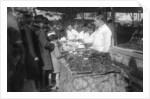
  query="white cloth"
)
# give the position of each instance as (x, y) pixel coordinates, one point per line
(101, 39)
(89, 38)
(63, 39)
(86, 36)
(81, 35)
(51, 33)
(71, 35)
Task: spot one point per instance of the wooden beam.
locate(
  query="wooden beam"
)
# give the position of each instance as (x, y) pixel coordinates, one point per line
(128, 52)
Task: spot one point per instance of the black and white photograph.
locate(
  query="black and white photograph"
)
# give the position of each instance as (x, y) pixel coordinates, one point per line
(74, 49)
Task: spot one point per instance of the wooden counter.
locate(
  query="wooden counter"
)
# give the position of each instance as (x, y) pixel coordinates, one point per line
(123, 55)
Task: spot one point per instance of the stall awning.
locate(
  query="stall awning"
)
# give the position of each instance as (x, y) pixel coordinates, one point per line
(70, 10)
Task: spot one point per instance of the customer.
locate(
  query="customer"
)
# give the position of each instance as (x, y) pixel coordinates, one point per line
(31, 59)
(56, 55)
(46, 48)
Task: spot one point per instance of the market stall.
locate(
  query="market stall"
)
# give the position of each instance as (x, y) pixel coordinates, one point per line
(82, 68)
(89, 71)
(84, 73)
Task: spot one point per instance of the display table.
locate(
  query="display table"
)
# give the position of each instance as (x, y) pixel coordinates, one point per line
(95, 76)
(90, 72)
(71, 82)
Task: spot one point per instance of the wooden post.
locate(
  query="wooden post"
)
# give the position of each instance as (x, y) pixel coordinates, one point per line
(106, 13)
(114, 33)
(140, 16)
(83, 15)
(113, 15)
(132, 19)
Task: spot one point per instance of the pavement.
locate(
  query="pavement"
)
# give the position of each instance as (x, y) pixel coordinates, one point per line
(29, 86)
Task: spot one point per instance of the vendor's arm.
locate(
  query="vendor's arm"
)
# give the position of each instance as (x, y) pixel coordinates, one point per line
(89, 40)
(81, 35)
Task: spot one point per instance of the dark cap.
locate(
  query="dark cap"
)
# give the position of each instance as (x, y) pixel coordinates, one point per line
(21, 9)
(38, 18)
(46, 21)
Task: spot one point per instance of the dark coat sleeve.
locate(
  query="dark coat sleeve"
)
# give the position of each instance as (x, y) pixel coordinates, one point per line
(30, 41)
(45, 43)
(42, 39)
(50, 46)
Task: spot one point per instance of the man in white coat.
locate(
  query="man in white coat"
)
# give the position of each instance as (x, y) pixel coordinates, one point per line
(101, 38)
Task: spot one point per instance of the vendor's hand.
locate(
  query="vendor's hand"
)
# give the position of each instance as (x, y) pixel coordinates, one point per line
(94, 51)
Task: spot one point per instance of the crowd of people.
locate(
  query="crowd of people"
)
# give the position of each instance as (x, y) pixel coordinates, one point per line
(32, 47)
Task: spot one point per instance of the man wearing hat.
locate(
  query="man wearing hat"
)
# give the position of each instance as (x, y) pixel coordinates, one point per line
(14, 53)
(45, 48)
(31, 59)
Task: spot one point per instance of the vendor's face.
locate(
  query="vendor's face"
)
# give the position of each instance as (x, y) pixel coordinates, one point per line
(97, 22)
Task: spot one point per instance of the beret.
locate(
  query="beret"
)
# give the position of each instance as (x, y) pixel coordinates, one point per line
(38, 18)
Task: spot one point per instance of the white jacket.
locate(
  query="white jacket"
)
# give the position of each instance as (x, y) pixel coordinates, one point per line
(81, 35)
(101, 39)
(71, 35)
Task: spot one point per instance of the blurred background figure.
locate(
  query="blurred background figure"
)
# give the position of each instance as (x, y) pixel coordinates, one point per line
(88, 31)
(72, 34)
(45, 49)
(15, 53)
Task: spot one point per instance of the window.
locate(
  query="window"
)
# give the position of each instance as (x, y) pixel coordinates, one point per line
(129, 30)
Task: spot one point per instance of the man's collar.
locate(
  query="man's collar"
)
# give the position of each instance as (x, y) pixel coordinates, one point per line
(101, 26)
